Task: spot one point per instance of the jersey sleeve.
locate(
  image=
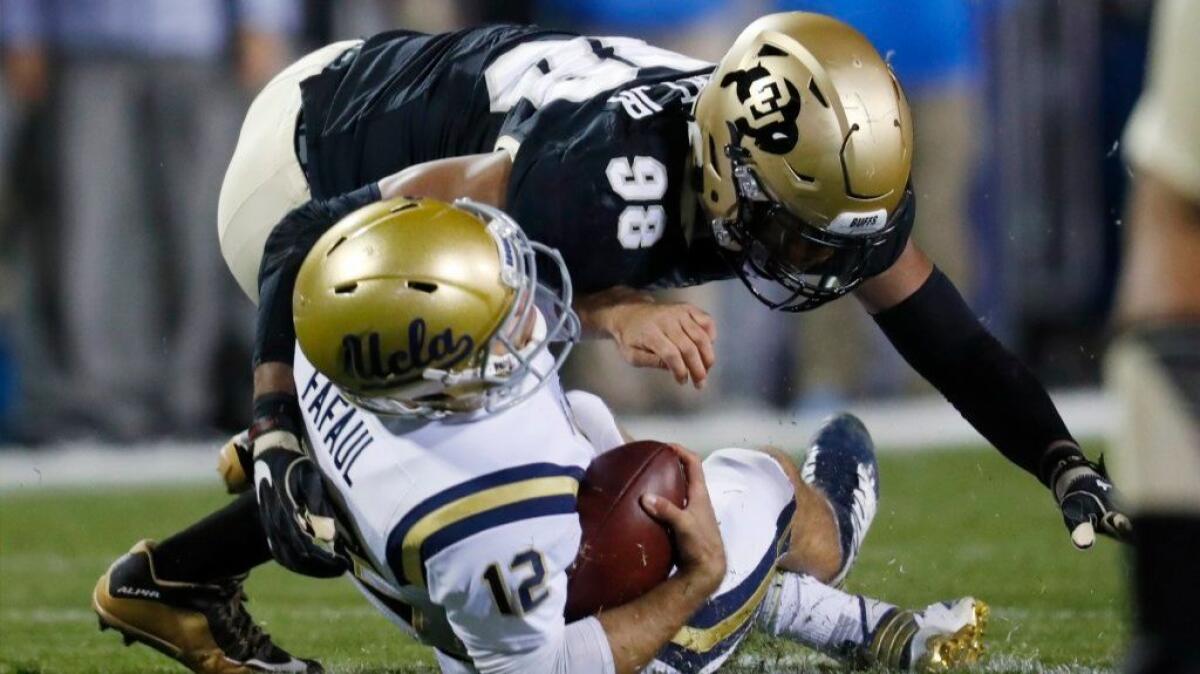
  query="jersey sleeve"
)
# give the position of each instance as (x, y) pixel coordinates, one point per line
(605, 191)
(558, 192)
(548, 179)
(504, 592)
(595, 420)
(493, 553)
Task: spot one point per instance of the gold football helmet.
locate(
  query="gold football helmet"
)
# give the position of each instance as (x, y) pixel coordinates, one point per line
(803, 141)
(423, 308)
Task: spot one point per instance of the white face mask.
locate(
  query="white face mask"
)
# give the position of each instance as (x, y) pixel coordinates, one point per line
(501, 366)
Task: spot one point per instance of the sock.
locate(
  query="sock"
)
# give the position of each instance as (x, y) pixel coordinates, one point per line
(227, 543)
(800, 608)
(1166, 593)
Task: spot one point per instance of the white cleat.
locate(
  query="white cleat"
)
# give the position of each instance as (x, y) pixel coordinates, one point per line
(950, 634)
(942, 636)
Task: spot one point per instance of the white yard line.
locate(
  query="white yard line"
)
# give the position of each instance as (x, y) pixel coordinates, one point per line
(99, 465)
(903, 425)
(908, 425)
(812, 662)
(1014, 664)
(77, 615)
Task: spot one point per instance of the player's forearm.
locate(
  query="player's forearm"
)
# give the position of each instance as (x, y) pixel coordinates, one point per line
(481, 177)
(598, 312)
(283, 254)
(638, 630)
(273, 378)
(942, 339)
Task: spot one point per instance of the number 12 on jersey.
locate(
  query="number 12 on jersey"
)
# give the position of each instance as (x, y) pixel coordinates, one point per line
(640, 179)
(530, 592)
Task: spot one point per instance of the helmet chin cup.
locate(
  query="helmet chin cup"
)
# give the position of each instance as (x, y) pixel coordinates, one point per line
(724, 236)
(744, 181)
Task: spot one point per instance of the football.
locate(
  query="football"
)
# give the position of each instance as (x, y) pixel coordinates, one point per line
(623, 552)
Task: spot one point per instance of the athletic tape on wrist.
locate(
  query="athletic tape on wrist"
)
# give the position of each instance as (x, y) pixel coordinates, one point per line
(276, 411)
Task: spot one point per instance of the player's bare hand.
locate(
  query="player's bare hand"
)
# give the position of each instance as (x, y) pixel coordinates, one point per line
(674, 336)
(694, 527)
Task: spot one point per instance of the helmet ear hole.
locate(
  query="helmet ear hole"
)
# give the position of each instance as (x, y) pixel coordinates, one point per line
(345, 288)
(816, 92)
(335, 246)
(423, 286)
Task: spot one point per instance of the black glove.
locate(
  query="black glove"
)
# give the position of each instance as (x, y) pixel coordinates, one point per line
(296, 515)
(1088, 500)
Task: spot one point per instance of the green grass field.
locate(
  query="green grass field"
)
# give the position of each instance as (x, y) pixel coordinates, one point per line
(950, 524)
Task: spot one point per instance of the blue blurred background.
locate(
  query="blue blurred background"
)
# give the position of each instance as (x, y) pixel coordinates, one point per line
(118, 321)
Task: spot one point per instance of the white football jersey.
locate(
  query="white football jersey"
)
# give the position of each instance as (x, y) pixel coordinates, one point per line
(462, 532)
(462, 529)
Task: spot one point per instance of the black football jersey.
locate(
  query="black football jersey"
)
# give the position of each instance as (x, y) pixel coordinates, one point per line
(607, 183)
(400, 99)
(598, 127)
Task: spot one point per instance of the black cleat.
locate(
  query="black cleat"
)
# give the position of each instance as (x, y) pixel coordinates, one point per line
(205, 627)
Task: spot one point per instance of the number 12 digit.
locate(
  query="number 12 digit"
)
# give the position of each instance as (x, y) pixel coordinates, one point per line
(530, 593)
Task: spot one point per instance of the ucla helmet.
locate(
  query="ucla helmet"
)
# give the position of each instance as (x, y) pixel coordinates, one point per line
(424, 308)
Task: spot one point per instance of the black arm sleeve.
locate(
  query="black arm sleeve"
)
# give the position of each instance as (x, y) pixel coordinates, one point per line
(941, 338)
(284, 252)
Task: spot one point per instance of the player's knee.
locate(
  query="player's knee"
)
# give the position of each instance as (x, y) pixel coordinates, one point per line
(786, 463)
(824, 566)
(814, 548)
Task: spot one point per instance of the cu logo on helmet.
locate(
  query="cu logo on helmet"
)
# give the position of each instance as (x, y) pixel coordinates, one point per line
(771, 103)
